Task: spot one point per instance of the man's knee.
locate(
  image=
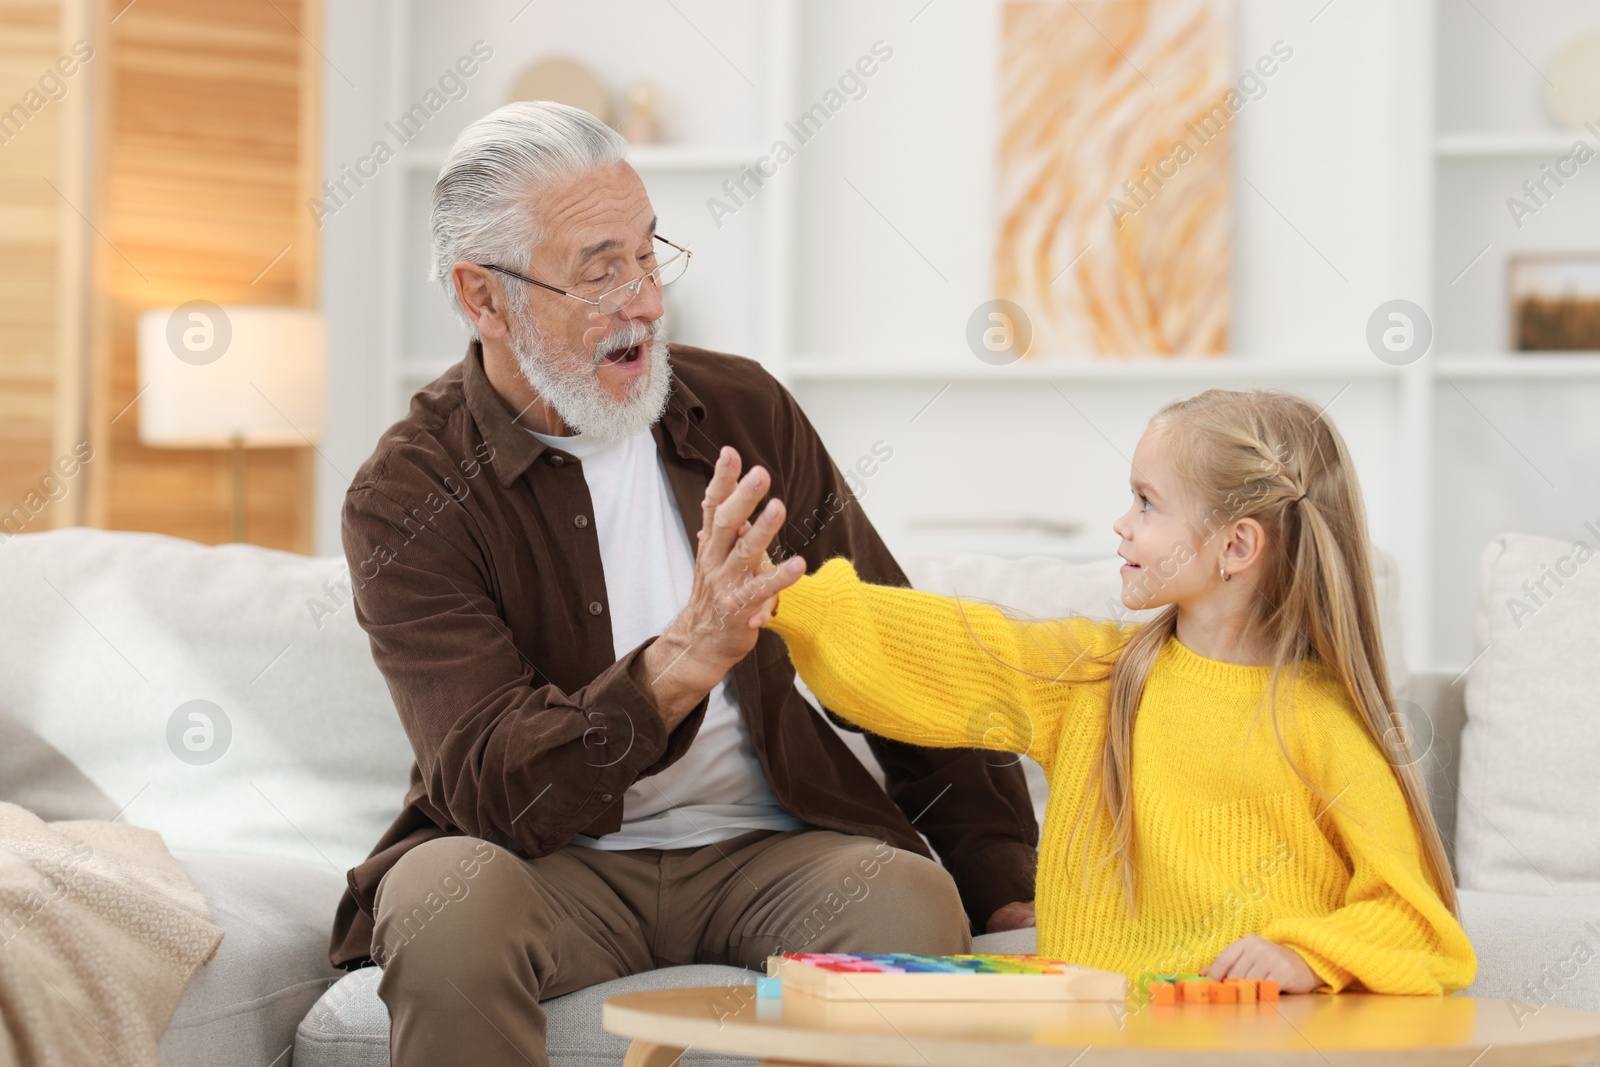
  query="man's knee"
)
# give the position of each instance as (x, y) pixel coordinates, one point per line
(883, 899)
(921, 887)
(444, 893)
(919, 908)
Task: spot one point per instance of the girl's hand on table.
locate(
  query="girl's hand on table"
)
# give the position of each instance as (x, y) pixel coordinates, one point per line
(1257, 958)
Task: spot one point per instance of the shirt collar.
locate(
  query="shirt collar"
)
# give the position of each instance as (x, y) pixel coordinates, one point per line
(515, 450)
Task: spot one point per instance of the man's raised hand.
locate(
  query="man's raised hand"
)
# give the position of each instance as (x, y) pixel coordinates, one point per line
(735, 590)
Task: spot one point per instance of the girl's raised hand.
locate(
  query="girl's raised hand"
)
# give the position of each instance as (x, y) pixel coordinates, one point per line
(1262, 960)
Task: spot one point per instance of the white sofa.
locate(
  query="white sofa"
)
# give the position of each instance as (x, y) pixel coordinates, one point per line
(267, 801)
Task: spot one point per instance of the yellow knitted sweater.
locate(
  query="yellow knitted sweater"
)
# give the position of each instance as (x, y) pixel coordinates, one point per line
(1228, 840)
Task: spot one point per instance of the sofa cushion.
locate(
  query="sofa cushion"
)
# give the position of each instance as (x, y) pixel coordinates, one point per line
(349, 1027)
(123, 630)
(1528, 750)
(243, 1006)
(1534, 951)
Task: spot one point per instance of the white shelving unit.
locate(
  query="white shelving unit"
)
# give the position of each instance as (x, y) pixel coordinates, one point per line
(852, 272)
(1141, 369)
(1515, 445)
(1495, 144)
(1528, 368)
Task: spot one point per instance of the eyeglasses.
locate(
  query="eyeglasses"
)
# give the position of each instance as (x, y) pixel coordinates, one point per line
(614, 300)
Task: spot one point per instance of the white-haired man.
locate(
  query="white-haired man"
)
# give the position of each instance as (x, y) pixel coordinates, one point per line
(602, 784)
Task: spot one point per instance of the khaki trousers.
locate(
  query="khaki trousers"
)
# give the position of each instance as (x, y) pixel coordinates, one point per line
(472, 937)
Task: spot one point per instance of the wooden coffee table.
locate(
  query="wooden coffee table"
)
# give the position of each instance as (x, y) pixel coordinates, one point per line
(1303, 1031)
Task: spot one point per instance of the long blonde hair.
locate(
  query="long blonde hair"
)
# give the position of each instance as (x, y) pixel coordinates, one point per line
(1277, 458)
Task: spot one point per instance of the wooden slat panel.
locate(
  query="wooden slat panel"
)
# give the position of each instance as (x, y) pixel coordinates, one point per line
(204, 187)
(43, 291)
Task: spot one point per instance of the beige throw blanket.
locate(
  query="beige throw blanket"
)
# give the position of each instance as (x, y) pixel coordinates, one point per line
(100, 931)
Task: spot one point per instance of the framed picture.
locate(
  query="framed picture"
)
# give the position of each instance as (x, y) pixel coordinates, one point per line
(1115, 188)
(1555, 302)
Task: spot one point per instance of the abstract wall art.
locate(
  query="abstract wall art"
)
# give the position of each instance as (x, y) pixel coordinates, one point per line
(1115, 173)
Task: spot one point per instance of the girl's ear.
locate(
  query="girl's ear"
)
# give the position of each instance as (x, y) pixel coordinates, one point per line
(1245, 547)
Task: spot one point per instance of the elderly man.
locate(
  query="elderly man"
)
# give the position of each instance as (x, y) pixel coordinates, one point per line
(605, 780)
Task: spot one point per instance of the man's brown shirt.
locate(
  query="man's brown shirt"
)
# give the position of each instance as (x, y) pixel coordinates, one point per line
(478, 579)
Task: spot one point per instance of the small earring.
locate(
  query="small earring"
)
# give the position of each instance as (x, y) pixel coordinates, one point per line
(1223, 571)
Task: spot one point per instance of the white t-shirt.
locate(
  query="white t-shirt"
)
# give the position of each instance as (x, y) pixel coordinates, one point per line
(717, 789)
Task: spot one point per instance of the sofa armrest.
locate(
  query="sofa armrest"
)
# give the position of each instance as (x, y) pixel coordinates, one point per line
(1438, 741)
(1535, 951)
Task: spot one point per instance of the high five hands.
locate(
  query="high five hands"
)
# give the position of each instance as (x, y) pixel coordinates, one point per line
(735, 590)
(736, 587)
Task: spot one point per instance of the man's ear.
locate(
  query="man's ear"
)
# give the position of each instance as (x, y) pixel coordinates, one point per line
(482, 298)
(1245, 547)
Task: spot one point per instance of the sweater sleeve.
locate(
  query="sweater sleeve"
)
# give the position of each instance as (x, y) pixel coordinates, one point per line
(973, 809)
(936, 671)
(1393, 932)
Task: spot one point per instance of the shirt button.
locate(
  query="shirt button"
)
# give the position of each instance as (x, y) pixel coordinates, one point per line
(580, 521)
(605, 798)
(556, 461)
(595, 607)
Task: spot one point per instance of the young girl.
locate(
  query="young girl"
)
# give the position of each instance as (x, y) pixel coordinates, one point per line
(1230, 792)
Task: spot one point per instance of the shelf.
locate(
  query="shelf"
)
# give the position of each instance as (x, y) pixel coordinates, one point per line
(1500, 366)
(826, 369)
(1517, 366)
(659, 158)
(1490, 144)
(823, 370)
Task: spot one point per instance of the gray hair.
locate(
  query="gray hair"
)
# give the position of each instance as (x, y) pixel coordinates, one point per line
(481, 201)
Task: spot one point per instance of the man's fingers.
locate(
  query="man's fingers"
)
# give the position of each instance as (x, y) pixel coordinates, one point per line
(751, 547)
(733, 512)
(1015, 916)
(749, 597)
(723, 480)
(766, 588)
(700, 537)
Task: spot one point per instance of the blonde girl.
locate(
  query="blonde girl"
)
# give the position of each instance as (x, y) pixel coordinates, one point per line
(1230, 789)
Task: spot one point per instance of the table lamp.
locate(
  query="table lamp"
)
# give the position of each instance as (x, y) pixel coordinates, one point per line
(237, 377)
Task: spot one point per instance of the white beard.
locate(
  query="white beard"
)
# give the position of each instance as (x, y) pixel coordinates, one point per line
(576, 394)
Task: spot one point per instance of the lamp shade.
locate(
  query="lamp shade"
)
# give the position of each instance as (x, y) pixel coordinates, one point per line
(210, 375)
